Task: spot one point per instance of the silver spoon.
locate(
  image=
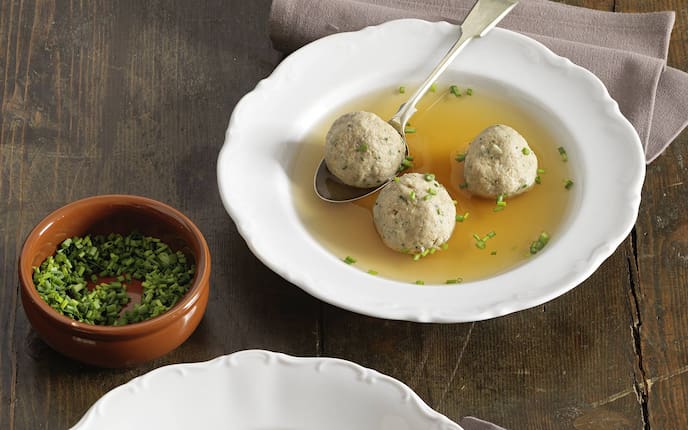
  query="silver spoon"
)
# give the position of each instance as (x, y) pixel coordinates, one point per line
(484, 15)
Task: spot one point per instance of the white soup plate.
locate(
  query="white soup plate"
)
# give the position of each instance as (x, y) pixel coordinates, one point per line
(268, 125)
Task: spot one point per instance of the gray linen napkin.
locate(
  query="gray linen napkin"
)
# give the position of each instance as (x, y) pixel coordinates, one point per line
(628, 52)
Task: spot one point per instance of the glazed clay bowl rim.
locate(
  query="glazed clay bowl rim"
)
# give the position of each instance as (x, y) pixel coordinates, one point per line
(199, 283)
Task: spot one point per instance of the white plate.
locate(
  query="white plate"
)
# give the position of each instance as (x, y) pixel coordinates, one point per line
(267, 125)
(261, 390)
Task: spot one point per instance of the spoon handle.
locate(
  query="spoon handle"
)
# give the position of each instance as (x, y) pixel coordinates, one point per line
(484, 15)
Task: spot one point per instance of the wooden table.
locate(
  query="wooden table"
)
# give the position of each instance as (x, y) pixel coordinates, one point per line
(134, 97)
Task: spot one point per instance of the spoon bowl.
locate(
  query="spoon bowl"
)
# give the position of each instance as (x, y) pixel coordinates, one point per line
(484, 16)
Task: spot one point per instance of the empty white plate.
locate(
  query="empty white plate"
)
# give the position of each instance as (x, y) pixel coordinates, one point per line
(261, 390)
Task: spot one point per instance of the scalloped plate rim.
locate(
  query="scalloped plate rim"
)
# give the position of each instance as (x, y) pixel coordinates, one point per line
(364, 379)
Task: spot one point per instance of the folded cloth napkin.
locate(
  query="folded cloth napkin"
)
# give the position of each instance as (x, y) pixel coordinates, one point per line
(627, 51)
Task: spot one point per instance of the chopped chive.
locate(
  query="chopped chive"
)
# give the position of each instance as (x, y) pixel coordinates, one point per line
(363, 147)
(540, 243)
(402, 89)
(501, 203)
(372, 272)
(525, 151)
(419, 282)
(454, 281)
(429, 177)
(165, 276)
(462, 218)
(544, 237)
(538, 179)
(568, 184)
(455, 90)
(396, 179)
(349, 259)
(416, 257)
(564, 155)
(469, 91)
(410, 130)
(541, 171)
(406, 163)
(444, 246)
(460, 157)
(493, 253)
(412, 196)
(433, 88)
(432, 191)
(481, 242)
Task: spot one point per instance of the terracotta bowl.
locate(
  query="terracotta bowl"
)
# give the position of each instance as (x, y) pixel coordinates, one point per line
(115, 346)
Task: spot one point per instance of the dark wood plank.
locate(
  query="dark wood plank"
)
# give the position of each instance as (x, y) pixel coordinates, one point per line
(662, 248)
(129, 97)
(567, 364)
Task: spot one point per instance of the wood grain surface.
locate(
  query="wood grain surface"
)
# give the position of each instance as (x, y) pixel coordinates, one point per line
(134, 97)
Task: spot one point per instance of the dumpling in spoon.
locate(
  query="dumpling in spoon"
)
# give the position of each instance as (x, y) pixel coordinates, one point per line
(499, 162)
(363, 150)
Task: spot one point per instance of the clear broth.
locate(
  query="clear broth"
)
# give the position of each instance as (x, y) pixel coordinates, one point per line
(445, 124)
